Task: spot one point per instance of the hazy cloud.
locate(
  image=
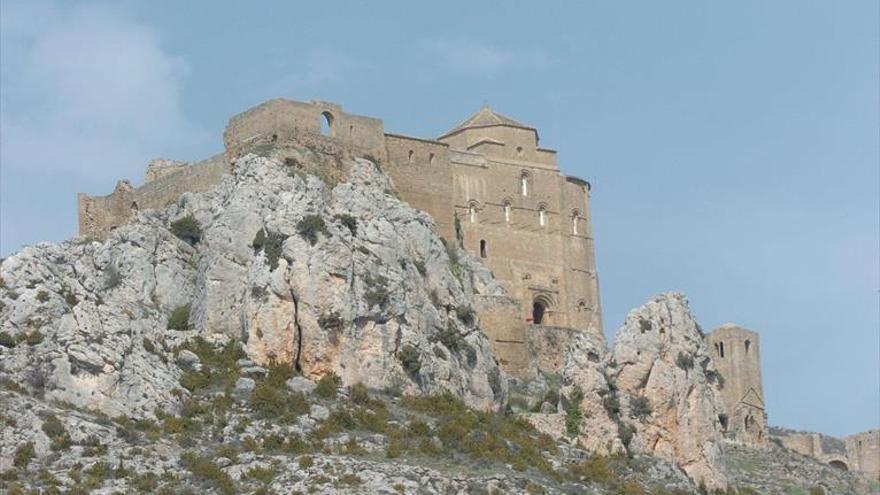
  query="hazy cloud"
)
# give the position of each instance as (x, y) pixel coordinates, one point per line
(86, 88)
(476, 57)
(89, 95)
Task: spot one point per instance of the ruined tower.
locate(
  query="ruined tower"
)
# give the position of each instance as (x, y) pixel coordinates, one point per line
(736, 353)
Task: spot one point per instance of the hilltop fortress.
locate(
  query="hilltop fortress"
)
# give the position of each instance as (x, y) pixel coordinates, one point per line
(493, 190)
(487, 183)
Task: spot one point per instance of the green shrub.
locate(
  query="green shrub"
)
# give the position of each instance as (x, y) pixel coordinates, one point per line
(454, 260)
(349, 221)
(53, 427)
(377, 292)
(195, 380)
(310, 226)
(626, 433)
(271, 402)
(611, 404)
(640, 407)
(114, 278)
(306, 461)
(261, 474)
(272, 244)
(714, 377)
(69, 297)
(482, 435)
(219, 366)
(7, 340)
(595, 469)
(148, 345)
(144, 482)
(359, 394)
(420, 266)
(206, 471)
(684, 361)
(179, 319)
(327, 386)
(410, 359)
(34, 338)
(466, 315)
(817, 490)
(187, 229)
(573, 415)
(23, 455)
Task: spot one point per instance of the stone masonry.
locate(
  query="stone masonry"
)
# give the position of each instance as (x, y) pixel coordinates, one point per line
(736, 353)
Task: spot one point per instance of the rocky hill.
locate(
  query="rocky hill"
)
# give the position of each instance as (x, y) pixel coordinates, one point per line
(299, 329)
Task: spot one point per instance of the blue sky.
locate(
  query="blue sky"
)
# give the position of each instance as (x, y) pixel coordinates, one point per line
(732, 146)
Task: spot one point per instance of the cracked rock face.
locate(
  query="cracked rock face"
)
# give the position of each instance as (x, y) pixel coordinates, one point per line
(663, 373)
(345, 279)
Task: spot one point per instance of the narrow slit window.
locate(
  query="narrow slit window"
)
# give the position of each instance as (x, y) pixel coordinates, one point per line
(482, 248)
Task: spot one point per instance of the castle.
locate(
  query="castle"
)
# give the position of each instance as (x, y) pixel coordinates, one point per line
(492, 189)
(487, 183)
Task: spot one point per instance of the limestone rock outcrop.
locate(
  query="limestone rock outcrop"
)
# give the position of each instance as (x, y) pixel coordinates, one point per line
(584, 374)
(323, 277)
(667, 387)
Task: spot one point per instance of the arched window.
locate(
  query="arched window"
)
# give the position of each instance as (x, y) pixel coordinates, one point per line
(326, 123)
(540, 305)
(482, 248)
(134, 206)
(472, 212)
(574, 222)
(519, 151)
(748, 345)
(431, 159)
(721, 349)
(524, 183)
(542, 216)
(409, 158)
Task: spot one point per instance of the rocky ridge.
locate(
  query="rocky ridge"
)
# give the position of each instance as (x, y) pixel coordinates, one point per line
(300, 331)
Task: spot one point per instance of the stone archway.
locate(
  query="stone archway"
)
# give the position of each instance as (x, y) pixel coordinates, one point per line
(837, 463)
(540, 307)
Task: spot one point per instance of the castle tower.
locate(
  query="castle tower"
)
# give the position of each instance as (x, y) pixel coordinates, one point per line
(736, 353)
(527, 221)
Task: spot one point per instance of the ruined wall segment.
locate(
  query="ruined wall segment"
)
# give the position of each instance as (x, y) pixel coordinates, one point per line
(737, 357)
(280, 120)
(99, 215)
(863, 453)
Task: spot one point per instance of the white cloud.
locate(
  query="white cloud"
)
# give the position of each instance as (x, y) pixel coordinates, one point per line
(476, 57)
(87, 88)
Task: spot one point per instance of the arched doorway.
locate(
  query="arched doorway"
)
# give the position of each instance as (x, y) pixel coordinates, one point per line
(540, 307)
(839, 465)
(538, 312)
(325, 121)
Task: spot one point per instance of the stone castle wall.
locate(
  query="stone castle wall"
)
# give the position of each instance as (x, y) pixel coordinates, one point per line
(99, 215)
(529, 223)
(736, 353)
(863, 453)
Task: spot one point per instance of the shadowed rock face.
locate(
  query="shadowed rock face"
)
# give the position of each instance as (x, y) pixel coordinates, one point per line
(373, 287)
(661, 361)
